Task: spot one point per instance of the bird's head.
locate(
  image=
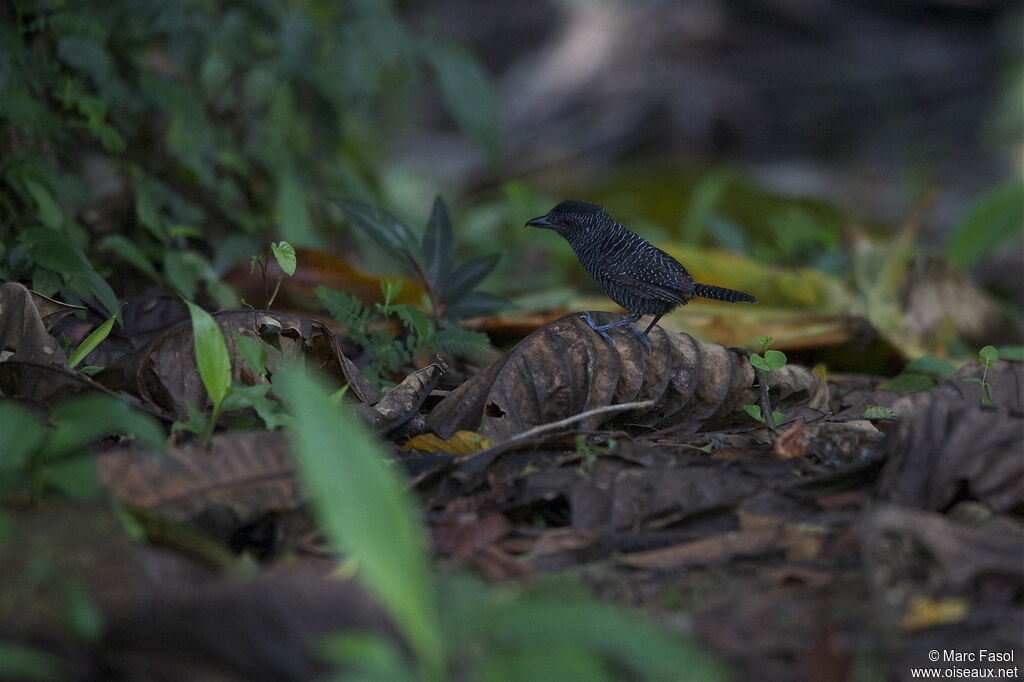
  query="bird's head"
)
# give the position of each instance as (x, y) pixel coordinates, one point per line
(570, 218)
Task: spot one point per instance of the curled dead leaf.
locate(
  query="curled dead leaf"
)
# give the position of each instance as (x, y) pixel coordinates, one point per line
(23, 331)
(164, 372)
(565, 368)
(247, 472)
(946, 445)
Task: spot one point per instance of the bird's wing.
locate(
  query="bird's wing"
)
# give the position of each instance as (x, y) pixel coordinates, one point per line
(656, 275)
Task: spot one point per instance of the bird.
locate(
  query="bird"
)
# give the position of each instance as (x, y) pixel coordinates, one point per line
(641, 278)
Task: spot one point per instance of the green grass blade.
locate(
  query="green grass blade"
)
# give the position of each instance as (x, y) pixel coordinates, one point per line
(365, 510)
(94, 339)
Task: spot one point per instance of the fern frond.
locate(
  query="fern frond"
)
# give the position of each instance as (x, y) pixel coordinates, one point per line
(348, 310)
(458, 341)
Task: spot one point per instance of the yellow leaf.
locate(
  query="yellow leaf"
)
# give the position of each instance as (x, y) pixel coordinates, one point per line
(462, 443)
(923, 612)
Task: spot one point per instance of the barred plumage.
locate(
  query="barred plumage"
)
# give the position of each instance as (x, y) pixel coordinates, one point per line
(640, 277)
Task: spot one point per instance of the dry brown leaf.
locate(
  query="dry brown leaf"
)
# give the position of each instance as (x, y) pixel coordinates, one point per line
(164, 372)
(945, 441)
(400, 403)
(565, 368)
(23, 335)
(247, 472)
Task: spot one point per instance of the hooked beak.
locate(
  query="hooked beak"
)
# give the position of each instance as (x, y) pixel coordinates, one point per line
(539, 222)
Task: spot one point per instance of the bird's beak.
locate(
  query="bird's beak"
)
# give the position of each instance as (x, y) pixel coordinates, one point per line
(539, 222)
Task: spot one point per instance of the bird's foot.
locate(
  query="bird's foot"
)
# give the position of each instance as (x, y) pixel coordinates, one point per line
(599, 328)
(643, 338)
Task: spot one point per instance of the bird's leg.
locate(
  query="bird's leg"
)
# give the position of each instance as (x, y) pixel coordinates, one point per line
(643, 335)
(602, 329)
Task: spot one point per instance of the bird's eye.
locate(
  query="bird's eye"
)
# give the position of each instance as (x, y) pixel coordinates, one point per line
(566, 222)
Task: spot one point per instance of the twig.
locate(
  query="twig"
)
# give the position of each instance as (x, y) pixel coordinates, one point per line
(481, 460)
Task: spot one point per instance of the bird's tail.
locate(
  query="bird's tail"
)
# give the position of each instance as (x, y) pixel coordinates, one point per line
(722, 294)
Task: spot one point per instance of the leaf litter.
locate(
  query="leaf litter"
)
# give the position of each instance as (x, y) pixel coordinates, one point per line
(672, 498)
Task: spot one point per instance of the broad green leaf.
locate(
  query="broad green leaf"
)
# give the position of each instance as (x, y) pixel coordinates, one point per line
(211, 354)
(765, 341)
(988, 355)
(775, 359)
(50, 214)
(54, 251)
(754, 411)
(20, 662)
(130, 253)
(438, 243)
(759, 362)
(477, 304)
(705, 198)
(284, 254)
(90, 342)
(80, 422)
(252, 352)
(991, 220)
(1014, 353)
(22, 436)
(73, 478)
(928, 364)
(183, 270)
(364, 509)
(389, 232)
(467, 276)
(909, 382)
(468, 94)
(293, 212)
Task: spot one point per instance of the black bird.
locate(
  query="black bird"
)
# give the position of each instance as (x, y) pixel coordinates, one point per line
(641, 278)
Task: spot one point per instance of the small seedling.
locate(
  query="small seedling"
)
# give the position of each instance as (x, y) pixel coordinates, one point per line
(589, 453)
(284, 254)
(763, 364)
(369, 327)
(987, 357)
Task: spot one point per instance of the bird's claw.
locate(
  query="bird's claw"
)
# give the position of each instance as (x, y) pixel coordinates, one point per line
(596, 327)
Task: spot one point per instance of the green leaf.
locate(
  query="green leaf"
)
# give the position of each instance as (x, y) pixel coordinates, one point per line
(754, 411)
(775, 359)
(19, 662)
(90, 342)
(707, 194)
(348, 310)
(437, 243)
(390, 233)
(413, 319)
(182, 272)
(759, 362)
(359, 499)
(459, 341)
(908, 382)
(991, 220)
(252, 352)
(284, 254)
(930, 365)
(54, 251)
(1014, 353)
(476, 304)
(22, 436)
(130, 253)
(765, 341)
(467, 276)
(468, 94)
(879, 412)
(211, 354)
(987, 355)
(50, 214)
(82, 421)
(293, 210)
